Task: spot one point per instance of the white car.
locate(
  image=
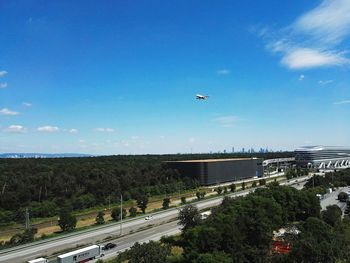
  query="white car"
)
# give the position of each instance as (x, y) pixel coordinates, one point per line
(148, 217)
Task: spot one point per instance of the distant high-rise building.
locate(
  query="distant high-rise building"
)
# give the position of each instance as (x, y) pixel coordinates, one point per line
(233, 149)
(243, 150)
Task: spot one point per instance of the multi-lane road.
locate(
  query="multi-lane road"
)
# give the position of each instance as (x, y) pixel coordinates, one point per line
(134, 230)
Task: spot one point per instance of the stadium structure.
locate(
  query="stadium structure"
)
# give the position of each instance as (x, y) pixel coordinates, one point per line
(323, 157)
(216, 171)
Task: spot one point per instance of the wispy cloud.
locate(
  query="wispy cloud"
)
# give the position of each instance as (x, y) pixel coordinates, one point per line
(15, 129)
(48, 129)
(304, 58)
(191, 140)
(104, 129)
(73, 130)
(6, 111)
(223, 72)
(342, 102)
(3, 73)
(226, 121)
(3, 85)
(27, 104)
(325, 82)
(313, 39)
(301, 77)
(329, 22)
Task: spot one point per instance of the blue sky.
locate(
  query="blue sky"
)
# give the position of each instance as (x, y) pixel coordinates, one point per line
(115, 77)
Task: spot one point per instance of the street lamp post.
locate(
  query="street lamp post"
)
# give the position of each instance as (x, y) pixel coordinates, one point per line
(121, 214)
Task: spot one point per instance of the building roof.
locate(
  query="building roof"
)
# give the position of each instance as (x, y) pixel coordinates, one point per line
(212, 160)
(320, 148)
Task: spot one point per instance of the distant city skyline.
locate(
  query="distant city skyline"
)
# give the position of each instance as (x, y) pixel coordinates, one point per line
(122, 77)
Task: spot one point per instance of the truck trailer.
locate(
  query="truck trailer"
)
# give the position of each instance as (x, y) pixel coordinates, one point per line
(81, 255)
(38, 260)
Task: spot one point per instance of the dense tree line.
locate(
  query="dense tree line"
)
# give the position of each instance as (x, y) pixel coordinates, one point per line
(45, 185)
(241, 230)
(333, 179)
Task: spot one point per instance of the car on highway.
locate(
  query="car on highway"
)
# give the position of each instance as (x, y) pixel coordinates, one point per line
(109, 246)
(148, 217)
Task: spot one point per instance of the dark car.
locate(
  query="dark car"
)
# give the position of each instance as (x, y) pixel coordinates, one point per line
(109, 246)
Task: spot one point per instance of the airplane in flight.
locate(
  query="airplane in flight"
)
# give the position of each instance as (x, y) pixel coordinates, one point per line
(202, 97)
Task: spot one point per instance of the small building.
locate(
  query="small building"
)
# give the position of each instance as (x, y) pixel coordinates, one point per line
(216, 171)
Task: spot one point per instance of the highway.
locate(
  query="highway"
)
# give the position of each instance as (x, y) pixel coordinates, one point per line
(46, 248)
(124, 243)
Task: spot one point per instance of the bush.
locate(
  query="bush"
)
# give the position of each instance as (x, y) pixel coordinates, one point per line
(232, 187)
(67, 221)
(262, 182)
(166, 203)
(133, 211)
(6, 217)
(116, 213)
(219, 190)
(100, 218)
(343, 197)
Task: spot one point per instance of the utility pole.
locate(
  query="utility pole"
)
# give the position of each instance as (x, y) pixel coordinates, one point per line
(27, 219)
(121, 214)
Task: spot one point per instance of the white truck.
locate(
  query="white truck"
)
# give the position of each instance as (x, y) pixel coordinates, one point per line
(81, 255)
(38, 260)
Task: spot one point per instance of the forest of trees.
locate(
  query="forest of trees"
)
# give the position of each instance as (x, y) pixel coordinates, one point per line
(334, 179)
(45, 185)
(241, 230)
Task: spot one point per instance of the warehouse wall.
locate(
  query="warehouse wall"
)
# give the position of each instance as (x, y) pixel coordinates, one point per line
(208, 173)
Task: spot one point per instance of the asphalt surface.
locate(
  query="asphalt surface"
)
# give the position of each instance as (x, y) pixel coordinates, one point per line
(146, 230)
(124, 243)
(332, 199)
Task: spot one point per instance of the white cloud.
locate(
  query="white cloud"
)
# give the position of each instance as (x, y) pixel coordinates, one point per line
(301, 77)
(303, 58)
(325, 82)
(27, 104)
(312, 40)
(342, 102)
(48, 129)
(3, 73)
(104, 130)
(329, 22)
(226, 121)
(73, 130)
(223, 72)
(3, 85)
(6, 111)
(15, 129)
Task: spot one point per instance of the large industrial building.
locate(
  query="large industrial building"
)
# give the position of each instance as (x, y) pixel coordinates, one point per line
(323, 157)
(215, 171)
